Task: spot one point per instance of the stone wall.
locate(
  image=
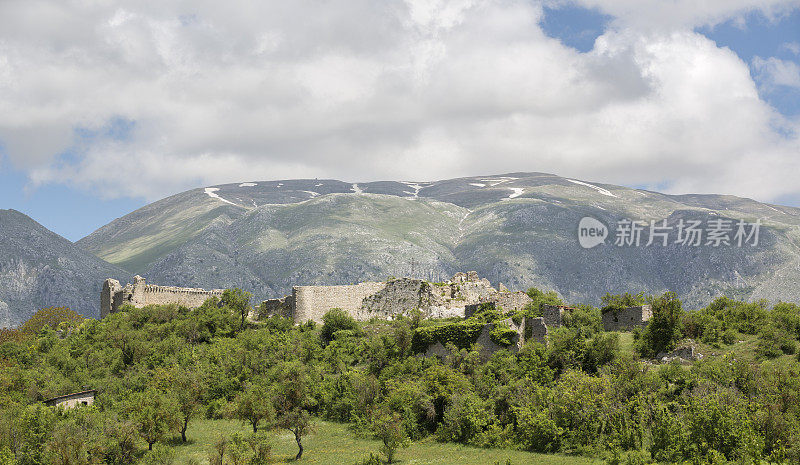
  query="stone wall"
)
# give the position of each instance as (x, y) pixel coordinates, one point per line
(400, 297)
(511, 301)
(387, 300)
(502, 301)
(528, 330)
(73, 400)
(283, 307)
(536, 330)
(312, 302)
(554, 315)
(627, 318)
(140, 294)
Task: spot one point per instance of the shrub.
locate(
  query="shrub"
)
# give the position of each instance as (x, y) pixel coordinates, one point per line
(335, 320)
(462, 335)
(537, 431)
(464, 419)
(51, 317)
(773, 342)
(389, 429)
(486, 312)
(502, 335)
(664, 329)
(601, 350)
(614, 302)
(585, 318)
(371, 460)
(160, 455)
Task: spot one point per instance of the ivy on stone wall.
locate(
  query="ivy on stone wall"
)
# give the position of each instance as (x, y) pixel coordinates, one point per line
(502, 335)
(462, 334)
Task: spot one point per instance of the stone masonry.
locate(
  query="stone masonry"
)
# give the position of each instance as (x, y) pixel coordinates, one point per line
(390, 299)
(140, 294)
(627, 318)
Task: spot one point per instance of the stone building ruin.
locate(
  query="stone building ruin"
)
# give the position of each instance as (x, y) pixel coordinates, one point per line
(626, 319)
(387, 300)
(140, 294)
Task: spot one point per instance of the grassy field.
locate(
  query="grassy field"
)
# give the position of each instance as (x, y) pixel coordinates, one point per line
(334, 444)
(626, 343)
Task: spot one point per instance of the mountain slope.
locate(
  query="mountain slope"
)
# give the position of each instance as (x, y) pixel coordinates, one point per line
(39, 269)
(518, 228)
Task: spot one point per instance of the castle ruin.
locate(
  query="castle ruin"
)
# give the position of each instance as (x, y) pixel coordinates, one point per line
(140, 294)
(387, 300)
(626, 319)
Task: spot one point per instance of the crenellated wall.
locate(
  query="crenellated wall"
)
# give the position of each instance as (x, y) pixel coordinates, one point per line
(140, 294)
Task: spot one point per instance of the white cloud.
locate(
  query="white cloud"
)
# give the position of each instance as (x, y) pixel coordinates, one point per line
(773, 72)
(661, 15)
(362, 90)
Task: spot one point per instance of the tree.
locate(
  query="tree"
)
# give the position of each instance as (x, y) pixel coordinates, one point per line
(291, 402)
(35, 428)
(335, 320)
(52, 317)
(154, 414)
(388, 427)
(540, 298)
(620, 301)
(186, 388)
(238, 301)
(665, 326)
(253, 405)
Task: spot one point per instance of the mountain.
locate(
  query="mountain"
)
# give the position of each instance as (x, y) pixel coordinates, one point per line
(519, 229)
(39, 269)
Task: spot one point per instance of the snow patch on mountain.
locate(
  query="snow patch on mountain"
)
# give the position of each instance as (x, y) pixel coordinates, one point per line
(597, 188)
(211, 192)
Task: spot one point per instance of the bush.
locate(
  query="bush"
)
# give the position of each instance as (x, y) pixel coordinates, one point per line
(614, 302)
(160, 455)
(664, 329)
(487, 313)
(389, 429)
(586, 319)
(465, 418)
(601, 350)
(335, 320)
(51, 317)
(502, 335)
(537, 431)
(774, 342)
(371, 460)
(462, 335)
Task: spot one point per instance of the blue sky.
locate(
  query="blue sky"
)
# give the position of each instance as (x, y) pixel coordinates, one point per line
(186, 139)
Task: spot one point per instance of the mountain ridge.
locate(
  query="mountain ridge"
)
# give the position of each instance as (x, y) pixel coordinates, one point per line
(39, 268)
(518, 228)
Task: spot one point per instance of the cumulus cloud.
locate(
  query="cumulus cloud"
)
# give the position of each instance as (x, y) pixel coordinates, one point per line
(182, 94)
(774, 72)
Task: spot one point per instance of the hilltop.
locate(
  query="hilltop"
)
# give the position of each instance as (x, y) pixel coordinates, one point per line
(518, 229)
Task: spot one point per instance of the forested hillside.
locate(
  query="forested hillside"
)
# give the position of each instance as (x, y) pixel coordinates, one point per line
(165, 375)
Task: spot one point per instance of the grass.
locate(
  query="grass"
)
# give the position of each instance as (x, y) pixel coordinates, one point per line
(334, 443)
(626, 343)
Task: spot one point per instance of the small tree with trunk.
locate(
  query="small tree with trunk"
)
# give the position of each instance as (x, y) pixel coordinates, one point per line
(187, 389)
(253, 405)
(239, 302)
(154, 414)
(388, 427)
(291, 401)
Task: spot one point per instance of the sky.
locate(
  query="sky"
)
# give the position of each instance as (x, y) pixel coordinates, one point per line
(106, 105)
